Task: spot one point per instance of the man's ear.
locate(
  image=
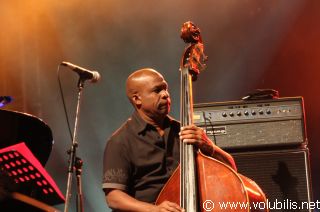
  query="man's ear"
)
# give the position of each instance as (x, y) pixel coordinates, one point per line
(136, 99)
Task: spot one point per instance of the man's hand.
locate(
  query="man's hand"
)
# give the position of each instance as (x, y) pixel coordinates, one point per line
(195, 135)
(118, 200)
(167, 206)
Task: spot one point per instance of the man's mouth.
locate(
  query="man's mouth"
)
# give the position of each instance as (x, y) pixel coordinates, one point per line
(164, 105)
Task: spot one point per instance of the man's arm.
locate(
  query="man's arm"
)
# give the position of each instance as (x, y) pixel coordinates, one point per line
(196, 135)
(120, 201)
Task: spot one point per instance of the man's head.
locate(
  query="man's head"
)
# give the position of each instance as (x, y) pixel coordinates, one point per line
(148, 92)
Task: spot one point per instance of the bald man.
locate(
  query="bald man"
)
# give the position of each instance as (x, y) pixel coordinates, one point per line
(142, 154)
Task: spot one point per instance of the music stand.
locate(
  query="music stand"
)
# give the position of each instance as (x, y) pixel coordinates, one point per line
(29, 176)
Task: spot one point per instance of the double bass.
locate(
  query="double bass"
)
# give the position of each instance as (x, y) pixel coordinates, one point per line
(202, 183)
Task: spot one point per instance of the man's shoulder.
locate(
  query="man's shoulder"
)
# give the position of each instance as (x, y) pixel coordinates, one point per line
(122, 132)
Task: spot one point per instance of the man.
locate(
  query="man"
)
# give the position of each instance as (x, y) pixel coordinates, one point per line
(143, 153)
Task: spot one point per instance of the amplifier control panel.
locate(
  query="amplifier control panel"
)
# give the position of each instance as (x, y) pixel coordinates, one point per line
(246, 111)
(251, 125)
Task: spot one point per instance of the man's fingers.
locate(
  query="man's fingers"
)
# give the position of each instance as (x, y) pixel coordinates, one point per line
(186, 132)
(189, 127)
(190, 136)
(191, 141)
(171, 206)
(174, 207)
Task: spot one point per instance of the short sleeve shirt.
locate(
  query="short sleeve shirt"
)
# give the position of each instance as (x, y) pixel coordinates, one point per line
(138, 160)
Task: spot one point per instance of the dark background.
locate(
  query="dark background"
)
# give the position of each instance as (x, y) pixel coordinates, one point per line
(251, 44)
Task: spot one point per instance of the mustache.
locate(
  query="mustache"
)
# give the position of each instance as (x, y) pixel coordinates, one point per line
(165, 103)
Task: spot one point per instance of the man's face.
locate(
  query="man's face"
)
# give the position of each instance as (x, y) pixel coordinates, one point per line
(154, 96)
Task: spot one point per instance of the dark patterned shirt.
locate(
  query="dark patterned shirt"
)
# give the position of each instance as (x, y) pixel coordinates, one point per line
(138, 160)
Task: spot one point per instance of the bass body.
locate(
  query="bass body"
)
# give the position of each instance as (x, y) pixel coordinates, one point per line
(220, 188)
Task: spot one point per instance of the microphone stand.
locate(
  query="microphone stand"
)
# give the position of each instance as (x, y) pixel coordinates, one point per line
(72, 155)
(78, 166)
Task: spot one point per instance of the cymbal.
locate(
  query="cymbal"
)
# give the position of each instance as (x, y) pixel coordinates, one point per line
(16, 127)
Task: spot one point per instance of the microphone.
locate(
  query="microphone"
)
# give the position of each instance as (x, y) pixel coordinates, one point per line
(92, 76)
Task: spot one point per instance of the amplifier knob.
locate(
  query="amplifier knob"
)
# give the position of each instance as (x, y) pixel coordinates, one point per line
(231, 114)
(253, 112)
(224, 114)
(268, 111)
(246, 113)
(239, 113)
(261, 112)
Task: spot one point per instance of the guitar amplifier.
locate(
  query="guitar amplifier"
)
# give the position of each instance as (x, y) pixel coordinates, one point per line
(283, 175)
(254, 124)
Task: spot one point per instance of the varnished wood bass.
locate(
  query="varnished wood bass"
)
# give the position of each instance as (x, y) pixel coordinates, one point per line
(202, 183)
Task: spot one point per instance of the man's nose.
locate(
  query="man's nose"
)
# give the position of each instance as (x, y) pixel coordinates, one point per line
(165, 94)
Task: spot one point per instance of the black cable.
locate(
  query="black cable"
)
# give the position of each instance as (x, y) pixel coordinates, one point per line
(211, 125)
(63, 102)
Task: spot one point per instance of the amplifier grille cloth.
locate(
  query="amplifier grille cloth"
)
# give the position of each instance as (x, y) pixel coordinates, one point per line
(281, 175)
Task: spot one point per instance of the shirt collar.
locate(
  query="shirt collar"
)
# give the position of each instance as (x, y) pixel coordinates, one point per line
(140, 125)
